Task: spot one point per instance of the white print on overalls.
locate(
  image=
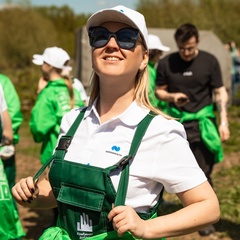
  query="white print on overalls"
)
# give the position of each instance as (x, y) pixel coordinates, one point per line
(85, 224)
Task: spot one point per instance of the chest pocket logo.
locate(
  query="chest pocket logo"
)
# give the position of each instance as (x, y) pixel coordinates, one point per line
(116, 148)
(85, 224)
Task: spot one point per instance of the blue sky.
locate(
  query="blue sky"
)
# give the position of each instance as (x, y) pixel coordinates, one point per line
(83, 6)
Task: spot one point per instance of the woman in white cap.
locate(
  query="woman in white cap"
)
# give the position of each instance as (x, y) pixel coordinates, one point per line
(115, 157)
(56, 97)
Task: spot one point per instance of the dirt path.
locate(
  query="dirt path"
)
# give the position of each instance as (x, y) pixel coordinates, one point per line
(34, 221)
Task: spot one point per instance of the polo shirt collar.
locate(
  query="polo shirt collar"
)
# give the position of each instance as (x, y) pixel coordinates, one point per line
(131, 116)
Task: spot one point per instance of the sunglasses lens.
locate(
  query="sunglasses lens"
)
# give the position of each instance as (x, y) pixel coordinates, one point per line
(98, 37)
(126, 38)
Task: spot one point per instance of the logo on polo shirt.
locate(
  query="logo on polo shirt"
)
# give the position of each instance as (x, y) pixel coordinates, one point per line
(115, 150)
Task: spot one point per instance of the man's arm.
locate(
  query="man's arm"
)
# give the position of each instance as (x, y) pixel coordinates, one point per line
(221, 97)
(180, 99)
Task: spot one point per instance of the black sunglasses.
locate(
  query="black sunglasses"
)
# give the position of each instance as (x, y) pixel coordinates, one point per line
(126, 38)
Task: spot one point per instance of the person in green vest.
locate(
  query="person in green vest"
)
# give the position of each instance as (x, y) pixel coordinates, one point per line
(56, 96)
(156, 50)
(189, 80)
(115, 156)
(14, 108)
(10, 227)
(6, 132)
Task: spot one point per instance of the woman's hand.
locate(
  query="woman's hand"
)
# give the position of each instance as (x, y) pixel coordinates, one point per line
(25, 191)
(125, 219)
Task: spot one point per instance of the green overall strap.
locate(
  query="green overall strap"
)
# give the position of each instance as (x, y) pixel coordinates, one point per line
(123, 183)
(64, 142)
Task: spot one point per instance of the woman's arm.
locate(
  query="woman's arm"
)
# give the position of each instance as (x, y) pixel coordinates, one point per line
(7, 128)
(201, 208)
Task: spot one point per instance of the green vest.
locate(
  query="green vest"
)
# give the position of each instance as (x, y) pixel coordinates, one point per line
(208, 129)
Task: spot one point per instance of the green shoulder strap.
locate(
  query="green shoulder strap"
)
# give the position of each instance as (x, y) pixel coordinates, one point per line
(64, 142)
(123, 183)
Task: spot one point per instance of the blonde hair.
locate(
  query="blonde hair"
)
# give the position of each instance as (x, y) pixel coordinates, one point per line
(68, 81)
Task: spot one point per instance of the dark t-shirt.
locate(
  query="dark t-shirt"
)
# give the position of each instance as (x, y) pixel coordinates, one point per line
(196, 78)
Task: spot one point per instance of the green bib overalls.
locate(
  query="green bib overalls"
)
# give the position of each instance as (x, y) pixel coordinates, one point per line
(85, 194)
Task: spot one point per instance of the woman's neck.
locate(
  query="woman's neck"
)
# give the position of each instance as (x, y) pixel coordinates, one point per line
(111, 105)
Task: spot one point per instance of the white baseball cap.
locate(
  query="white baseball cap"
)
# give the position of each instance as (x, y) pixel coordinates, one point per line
(53, 56)
(154, 42)
(120, 14)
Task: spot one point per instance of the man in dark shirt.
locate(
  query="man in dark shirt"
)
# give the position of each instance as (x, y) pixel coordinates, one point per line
(188, 79)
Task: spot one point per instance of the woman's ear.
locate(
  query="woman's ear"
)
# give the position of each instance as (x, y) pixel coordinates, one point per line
(144, 62)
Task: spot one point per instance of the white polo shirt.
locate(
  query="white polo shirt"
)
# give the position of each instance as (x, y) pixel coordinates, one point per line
(163, 158)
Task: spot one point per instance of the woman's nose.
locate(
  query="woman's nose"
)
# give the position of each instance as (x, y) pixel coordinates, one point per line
(112, 43)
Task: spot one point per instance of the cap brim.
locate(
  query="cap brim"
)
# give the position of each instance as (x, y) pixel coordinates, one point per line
(164, 48)
(38, 59)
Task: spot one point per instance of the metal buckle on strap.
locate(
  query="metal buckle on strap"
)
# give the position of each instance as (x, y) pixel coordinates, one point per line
(64, 143)
(124, 161)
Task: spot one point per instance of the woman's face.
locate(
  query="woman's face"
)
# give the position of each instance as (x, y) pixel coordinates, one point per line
(113, 61)
(45, 69)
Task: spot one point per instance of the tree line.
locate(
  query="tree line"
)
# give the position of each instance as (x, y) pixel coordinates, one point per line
(26, 30)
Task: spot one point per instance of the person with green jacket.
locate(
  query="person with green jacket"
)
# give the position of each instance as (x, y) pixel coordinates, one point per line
(14, 108)
(56, 96)
(53, 101)
(156, 50)
(10, 227)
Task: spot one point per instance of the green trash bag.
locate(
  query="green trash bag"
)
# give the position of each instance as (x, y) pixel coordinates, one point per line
(10, 225)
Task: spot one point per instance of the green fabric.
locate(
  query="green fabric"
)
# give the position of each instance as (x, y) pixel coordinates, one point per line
(51, 104)
(13, 104)
(10, 226)
(55, 233)
(208, 129)
(152, 74)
